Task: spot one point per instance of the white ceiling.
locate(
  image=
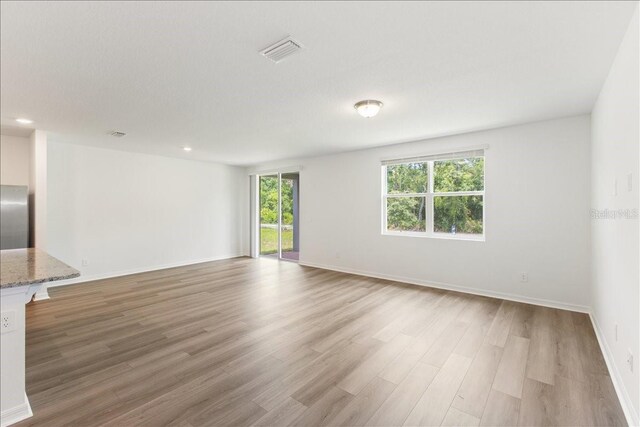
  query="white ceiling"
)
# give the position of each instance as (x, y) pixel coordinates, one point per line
(189, 73)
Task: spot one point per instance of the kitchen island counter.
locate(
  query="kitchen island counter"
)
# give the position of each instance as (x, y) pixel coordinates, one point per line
(22, 273)
(22, 267)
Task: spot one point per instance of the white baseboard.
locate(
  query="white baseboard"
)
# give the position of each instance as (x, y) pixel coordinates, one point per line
(17, 413)
(623, 396)
(102, 276)
(451, 287)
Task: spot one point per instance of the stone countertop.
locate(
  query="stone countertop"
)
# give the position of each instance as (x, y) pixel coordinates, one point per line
(22, 267)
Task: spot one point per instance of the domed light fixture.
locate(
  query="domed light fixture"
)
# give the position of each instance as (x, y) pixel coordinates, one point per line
(368, 108)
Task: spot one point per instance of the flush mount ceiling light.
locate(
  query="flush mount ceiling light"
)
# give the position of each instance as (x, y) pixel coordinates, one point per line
(368, 108)
(186, 148)
(24, 121)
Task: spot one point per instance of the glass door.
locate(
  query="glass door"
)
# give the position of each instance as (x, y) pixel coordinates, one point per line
(289, 190)
(268, 214)
(279, 215)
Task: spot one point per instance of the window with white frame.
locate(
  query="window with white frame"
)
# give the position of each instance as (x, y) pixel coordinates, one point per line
(435, 196)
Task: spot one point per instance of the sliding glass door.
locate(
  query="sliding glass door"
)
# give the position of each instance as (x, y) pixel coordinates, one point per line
(268, 212)
(278, 211)
(289, 190)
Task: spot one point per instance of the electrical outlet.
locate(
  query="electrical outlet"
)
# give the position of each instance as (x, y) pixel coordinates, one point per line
(85, 262)
(630, 182)
(630, 360)
(524, 277)
(7, 321)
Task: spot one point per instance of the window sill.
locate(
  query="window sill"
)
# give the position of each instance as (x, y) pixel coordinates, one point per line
(442, 236)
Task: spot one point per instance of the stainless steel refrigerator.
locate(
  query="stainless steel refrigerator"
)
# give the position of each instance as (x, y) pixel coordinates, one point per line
(14, 216)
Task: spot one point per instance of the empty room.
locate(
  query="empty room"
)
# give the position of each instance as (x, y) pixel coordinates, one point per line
(320, 213)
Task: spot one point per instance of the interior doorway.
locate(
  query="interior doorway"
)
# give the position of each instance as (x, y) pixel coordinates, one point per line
(279, 215)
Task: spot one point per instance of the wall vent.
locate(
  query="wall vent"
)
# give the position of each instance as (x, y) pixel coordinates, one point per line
(281, 50)
(117, 134)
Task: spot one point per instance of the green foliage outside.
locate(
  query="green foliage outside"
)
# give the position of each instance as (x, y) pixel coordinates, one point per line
(464, 213)
(407, 213)
(269, 240)
(269, 214)
(458, 175)
(269, 200)
(408, 178)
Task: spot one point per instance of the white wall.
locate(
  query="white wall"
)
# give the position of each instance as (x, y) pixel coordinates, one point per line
(126, 212)
(38, 190)
(14, 160)
(537, 215)
(615, 254)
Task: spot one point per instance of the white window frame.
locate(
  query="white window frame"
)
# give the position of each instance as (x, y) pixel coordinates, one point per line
(430, 194)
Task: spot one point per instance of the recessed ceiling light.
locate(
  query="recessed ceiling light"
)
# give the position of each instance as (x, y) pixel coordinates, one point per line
(24, 121)
(186, 148)
(368, 108)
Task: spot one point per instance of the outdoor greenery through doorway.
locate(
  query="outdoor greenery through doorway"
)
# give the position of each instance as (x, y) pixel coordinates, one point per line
(269, 214)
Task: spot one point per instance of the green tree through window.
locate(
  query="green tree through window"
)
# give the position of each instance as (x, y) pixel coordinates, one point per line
(452, 201)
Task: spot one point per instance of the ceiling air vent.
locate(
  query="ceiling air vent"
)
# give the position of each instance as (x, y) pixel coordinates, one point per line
(117, 134)
(279, 51)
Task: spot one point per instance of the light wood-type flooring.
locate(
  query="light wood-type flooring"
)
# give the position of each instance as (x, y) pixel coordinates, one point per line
(261, 342)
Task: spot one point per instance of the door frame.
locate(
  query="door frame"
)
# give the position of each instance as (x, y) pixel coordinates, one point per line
(254, 251)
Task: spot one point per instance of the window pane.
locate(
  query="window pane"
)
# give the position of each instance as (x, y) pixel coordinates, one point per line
(408, 178)
(457, 214)
(458, 175)
(268, 214)
(406, 213)
(286, 231)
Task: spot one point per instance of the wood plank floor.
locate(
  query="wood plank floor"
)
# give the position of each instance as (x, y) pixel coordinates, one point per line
(261, 342)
